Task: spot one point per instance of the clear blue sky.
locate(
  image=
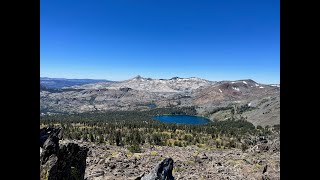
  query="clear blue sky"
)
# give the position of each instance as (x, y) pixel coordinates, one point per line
(119, 39)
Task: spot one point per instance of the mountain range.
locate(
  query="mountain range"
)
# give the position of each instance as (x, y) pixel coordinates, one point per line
(57, 83)
(216, 100)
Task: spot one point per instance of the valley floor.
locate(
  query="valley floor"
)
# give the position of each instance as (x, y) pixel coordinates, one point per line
(191, 162)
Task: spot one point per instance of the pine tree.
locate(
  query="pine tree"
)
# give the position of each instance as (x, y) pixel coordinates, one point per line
(92, 138)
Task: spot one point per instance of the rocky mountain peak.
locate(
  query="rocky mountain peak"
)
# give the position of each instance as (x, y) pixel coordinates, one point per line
(138, 77)
(174, 78)
(247, 80)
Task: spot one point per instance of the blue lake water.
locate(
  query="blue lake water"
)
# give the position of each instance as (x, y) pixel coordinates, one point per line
(181, 119)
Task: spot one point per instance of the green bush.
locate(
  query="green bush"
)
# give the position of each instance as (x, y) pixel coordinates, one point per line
(244, 147)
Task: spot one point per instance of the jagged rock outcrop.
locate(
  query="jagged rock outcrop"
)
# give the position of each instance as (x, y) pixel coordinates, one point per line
(162, 171)
(46, 132)
(60, 162)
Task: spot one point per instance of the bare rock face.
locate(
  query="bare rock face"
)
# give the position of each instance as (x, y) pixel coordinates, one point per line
(65, 162)
(46, 132)
(162, 171)
(49, 143)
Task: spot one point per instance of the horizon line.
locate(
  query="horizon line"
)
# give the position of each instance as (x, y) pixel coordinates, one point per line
(155, 79)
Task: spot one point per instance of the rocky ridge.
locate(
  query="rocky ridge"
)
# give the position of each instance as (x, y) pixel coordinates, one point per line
(174, 84)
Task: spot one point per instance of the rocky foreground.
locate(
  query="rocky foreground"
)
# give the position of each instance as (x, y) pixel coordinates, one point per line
(65, 160)
(111, 162)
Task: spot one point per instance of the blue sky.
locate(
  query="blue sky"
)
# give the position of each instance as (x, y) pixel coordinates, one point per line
(119, 39)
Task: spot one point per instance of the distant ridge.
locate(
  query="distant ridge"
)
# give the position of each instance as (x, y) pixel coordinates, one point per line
(58, 83)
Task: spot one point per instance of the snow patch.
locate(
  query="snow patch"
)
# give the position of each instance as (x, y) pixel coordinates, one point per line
(244, 82)
(220, 90)
(261, 87)
(232, 82)
(257, 84)
(235, 88)
(249, 104)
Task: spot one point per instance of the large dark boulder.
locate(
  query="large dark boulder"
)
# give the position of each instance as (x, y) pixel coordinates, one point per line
(163, 171)
(49, 142)
(60, 162)
(46, 132)
(50, 147)
(70, 163)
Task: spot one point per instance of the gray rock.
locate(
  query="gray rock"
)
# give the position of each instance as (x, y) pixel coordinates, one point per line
(49, 142)
(98, 173)
(221, 169)
(62, 163)
(204, 156)
(162, 171)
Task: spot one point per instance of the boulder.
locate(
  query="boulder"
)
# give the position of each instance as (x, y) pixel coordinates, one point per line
(204, 156)
(49, 143)
(163, 171)
(45, 133)
(60, 162)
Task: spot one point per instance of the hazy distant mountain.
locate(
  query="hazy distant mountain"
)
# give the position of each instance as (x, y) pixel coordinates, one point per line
(258, 103)
(57, 83)
(174, 84)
